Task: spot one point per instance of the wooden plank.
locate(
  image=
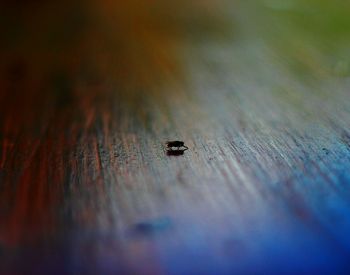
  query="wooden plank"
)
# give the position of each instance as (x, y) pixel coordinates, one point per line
(258, 91)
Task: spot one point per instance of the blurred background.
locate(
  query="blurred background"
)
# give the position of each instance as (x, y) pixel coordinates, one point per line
(258, 90)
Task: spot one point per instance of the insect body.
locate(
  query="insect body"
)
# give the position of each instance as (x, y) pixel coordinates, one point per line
(179, 145)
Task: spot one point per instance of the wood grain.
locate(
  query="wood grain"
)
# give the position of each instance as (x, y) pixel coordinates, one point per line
(258, 91)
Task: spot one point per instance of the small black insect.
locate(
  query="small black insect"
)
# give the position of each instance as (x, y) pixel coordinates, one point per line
(179, 145)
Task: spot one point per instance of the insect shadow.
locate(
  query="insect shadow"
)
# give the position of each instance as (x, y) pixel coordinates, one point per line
(175, 152)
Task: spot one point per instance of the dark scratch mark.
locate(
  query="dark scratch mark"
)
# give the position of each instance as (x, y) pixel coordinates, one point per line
(152, 227)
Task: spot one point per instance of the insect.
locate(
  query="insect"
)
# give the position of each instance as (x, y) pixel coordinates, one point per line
(179, 145)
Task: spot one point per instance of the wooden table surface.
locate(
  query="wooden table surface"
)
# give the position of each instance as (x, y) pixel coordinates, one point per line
(258, 90)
